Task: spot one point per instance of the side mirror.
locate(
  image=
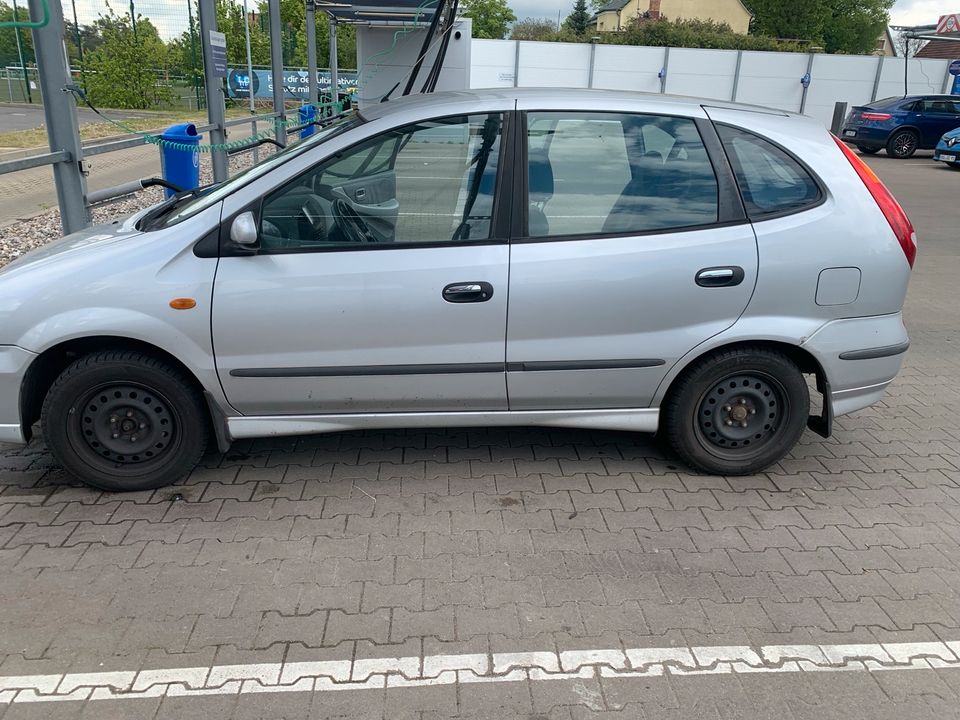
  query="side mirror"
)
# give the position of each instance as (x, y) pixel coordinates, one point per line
(243, 230)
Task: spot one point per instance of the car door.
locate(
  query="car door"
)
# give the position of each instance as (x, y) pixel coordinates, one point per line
(376, 285)
(629, 256)
(940, 115)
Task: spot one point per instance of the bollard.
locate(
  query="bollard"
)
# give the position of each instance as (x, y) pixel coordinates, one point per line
(308, 113)
(178, 165)
(839, 115)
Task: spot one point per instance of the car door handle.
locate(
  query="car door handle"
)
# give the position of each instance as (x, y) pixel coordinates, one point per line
(468, 292)
(720, 276)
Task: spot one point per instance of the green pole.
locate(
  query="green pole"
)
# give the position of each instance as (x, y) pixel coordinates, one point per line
(133, 20)
(76, 27)
(193, 56)
(23, 65)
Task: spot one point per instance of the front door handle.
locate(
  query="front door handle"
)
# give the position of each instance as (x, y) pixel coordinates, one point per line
(720, 276)
(468, 292)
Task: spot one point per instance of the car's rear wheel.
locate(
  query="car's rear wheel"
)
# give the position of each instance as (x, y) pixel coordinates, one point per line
(867, 150)
(123, 420)
(736, 412)
(902, 144)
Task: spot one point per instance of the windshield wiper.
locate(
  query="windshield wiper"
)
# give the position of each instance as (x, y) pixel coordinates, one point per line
(148, 221)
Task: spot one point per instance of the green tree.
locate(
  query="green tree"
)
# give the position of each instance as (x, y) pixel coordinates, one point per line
(126, 71)
(533, 29)
(578, 21)
(854, 25)
(693, 34)
(789, 19)
(491, 18)
(8, 39)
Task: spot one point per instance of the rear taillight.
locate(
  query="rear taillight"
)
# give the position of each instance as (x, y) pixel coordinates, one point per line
(875, 116)
(902, 227)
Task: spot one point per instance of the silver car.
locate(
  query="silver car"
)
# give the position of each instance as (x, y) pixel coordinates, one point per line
(563, 258)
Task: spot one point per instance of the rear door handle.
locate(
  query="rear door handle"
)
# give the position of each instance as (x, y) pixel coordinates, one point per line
(468, 292)
(720, 276)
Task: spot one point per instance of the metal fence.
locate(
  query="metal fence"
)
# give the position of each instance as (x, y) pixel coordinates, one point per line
(134, 69)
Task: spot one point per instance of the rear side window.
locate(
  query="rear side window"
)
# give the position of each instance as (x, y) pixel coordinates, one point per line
(771, 181)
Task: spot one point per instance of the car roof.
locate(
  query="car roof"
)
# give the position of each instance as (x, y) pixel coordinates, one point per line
(578, 97)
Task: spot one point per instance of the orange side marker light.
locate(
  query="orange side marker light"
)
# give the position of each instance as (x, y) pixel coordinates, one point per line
(183, 303)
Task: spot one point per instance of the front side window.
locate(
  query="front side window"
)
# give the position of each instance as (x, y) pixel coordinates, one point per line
(770, 180)
(432, 182)
(605, 173)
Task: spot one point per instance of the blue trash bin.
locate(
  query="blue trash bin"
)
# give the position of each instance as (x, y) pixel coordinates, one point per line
(308, 113)
(179, 165)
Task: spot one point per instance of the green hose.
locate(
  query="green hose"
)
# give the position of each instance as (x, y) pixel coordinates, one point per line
(29, 23)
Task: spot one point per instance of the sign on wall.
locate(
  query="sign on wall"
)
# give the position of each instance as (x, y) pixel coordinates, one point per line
(949, 23)
(218, 52)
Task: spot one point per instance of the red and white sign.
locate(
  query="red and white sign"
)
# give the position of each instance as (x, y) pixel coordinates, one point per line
(949, 23)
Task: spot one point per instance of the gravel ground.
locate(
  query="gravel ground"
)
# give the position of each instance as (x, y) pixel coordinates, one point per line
(21, 237)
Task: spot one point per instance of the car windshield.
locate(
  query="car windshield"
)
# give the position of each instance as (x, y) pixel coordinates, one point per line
(190, 205)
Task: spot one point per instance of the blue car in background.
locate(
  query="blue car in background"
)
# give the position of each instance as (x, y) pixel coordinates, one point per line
(901, 125)
(948, 149)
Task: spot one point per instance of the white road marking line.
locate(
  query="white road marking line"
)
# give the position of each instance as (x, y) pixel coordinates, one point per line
(407, 672)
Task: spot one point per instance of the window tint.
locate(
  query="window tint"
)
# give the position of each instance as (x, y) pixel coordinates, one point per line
(940, 106)
(770, 180)
(597, 173)
(432, 182)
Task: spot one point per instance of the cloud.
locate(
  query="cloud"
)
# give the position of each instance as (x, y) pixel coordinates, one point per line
(920, 12)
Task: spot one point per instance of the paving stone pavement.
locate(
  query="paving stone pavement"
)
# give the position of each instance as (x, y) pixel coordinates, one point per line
(374, 548)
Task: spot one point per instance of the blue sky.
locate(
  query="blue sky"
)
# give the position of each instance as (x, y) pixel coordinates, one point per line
(170, 16)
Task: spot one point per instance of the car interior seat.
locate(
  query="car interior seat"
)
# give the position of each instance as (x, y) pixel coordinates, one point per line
(540, 190)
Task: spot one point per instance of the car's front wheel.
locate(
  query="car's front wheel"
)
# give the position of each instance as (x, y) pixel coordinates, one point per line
(124, 420)
(736, 412)
(902, 144)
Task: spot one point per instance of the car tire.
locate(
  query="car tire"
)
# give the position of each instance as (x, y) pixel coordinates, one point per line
(902, 144)
(868, 150)
(124, 420)
(953, 166)
(736, 412)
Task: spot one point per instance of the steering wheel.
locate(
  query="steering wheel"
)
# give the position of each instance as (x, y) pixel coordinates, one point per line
(350, 222)
(311, 215)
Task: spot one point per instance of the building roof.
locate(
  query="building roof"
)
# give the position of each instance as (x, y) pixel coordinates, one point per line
(613, 6)
(943, 49)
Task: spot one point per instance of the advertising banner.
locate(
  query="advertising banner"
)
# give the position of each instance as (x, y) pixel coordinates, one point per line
(295, 86)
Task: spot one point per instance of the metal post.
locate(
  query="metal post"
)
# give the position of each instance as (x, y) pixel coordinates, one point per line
(311, 52)
(593, 59)
(806, 86)
(906, 67)
(839, 114)
(736, 77)
(23, 65)
(253, 102)
(334, 65)
(516, 63)
(213, 86)
(876, 79)
(947, 81)
(60, 114)
(276, 72)
(663, 71)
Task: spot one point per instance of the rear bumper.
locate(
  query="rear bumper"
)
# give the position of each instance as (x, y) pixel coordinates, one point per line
(860, 357)
(14, 362)
(865, 136)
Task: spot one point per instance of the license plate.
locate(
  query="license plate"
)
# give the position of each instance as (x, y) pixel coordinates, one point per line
(947, 158)
(849, 133)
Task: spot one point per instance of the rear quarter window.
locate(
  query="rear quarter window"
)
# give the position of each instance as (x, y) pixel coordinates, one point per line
(771, 181)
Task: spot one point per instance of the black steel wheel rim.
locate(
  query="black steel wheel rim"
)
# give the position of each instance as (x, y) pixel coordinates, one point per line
(124, 427)
(739, 416)
(904, 143)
